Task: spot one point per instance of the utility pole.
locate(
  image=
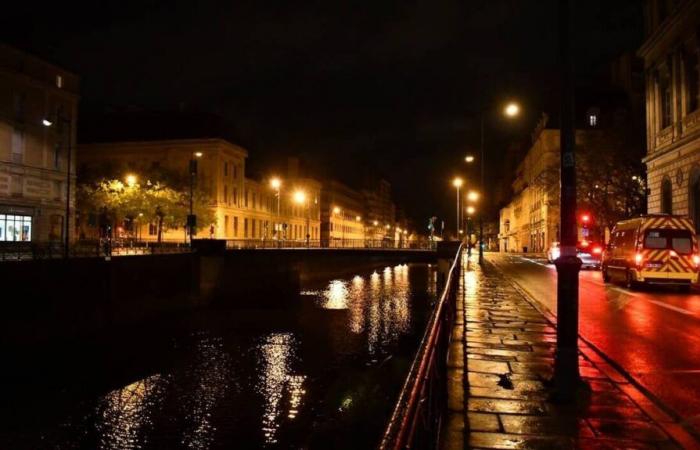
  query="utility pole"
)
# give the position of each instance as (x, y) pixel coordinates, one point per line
(566, 369)
(481, 188)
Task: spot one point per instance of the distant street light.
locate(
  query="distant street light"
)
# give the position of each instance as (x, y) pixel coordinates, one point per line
(457, 182)
(473, 196)
(471, 210)
(131, 180)
(276, 184)
(512, 109)
(358, 218)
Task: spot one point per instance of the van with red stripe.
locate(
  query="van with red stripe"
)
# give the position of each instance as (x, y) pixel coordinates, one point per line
(652, 249)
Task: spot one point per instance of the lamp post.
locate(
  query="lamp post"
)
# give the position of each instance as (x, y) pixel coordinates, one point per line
(566, 369)
(457, 182)
(470, 212)
(301, 198)
(358, 219)
(337, 211)
(192, 218)
(276, 184)
(69, 122)
(511, 110)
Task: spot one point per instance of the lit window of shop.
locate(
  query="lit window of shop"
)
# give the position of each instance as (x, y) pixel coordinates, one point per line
(15, 228)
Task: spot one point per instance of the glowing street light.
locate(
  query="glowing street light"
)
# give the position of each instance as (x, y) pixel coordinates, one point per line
(299, 197)
(457, 182)
(469, 158)
(471, 210)
(336, 210)
(276, 184)
(131, 180)
(512, 109)
(472, 196)
(47, 122)
(358, 218)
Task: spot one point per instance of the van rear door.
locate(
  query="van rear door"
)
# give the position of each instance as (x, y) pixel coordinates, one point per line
(668, 250)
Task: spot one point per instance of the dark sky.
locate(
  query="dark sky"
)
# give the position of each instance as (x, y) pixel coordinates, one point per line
(350, 86)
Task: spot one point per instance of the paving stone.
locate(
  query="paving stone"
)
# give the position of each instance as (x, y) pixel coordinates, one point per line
(482, 422)
(540, 369)
(513, 394)
(546, 426)
(497, 367)
(514, 441)
(506, 406)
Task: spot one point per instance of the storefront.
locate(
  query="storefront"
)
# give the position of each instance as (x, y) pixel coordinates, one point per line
(15, 224)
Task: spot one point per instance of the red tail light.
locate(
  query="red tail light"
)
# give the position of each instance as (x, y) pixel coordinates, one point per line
(638, 259)
(696, 260)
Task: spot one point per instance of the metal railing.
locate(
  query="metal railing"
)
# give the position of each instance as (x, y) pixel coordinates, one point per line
(328, 244)
(19, 251)
(417, 416)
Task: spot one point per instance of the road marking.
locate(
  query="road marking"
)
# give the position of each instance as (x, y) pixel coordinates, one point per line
(671, 307)
(535, 262)
(623, 291)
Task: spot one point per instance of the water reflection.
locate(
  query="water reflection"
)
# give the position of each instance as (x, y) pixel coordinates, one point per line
(277, 354)
(380, 308)
(124, 413)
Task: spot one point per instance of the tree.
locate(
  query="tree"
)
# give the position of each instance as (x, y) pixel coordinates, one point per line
(153, 202)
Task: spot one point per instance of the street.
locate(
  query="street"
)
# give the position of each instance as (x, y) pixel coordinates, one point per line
(652, 332)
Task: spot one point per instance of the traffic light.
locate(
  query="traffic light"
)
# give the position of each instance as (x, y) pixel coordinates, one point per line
(585, 218)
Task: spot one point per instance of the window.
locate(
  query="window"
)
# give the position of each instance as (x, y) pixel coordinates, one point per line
(245, 228)
(152, 229)
(254, 201)
(225, 225)
(225, 169)
(252, 228)
(59, 81)
(245, 198)
(593, 120)
(678, 240)
(226, 195)
(666, 196)
(18, 144)
(56, 227)
(235, 226)
(57, 190)
(235, 196)
(15, 228)
(16, 186)
(666, 100)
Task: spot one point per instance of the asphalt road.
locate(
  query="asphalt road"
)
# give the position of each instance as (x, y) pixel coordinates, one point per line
(653, 333)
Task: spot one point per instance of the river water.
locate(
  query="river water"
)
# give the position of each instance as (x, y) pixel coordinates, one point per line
(323, 373)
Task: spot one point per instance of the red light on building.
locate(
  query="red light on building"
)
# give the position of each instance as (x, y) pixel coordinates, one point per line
(585, 218)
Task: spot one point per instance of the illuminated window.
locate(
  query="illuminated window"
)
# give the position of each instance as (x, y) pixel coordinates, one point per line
(15, 228)
(593, 120)
(59, 81)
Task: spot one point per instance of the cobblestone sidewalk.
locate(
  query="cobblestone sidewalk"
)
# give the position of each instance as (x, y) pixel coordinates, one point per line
(501, 355)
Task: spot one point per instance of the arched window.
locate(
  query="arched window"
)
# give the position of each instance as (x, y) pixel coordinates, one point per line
(666, 196)
(694, 197)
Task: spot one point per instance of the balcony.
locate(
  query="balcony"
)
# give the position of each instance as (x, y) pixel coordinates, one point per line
(691, 122)
(664, 137)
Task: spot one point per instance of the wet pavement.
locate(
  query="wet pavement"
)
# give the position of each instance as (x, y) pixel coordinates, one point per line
(501, 361)
(323, 373)
(653, 333)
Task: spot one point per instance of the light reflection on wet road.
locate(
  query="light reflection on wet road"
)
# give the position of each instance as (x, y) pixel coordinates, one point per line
(324, 375)
(653, 333)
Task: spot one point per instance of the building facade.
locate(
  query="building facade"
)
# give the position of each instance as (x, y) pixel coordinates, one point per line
(244, 209)
(38, 119)
(380, 211)
(671, 54)
(343, 220)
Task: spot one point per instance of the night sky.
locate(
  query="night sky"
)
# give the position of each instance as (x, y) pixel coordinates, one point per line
(386, 87)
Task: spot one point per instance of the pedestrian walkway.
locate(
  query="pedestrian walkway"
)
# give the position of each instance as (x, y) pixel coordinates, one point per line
(501, 357)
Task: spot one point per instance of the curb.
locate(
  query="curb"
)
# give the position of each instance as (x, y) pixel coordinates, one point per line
(661, 414)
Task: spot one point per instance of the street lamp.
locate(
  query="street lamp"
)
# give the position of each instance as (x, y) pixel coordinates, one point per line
(192, 218)
(457, 182)
(276, 184)
(131, 180)
(301, 198)
(472, 196)
(511, 110)
(337, 211)
(47, 122)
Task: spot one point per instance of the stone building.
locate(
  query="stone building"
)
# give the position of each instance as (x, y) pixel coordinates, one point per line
(379, 210)
(671, 53)
(343, 220)
(38, 118)
(244, 208)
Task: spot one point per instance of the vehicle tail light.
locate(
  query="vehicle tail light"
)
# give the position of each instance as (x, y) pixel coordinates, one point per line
(597, 250)
(696, 260)
(639, 259)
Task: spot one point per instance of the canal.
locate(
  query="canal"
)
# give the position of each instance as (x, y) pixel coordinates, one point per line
(323, 373)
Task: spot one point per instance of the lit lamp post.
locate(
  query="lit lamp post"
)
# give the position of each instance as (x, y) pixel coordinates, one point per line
(457, 182)
(511, 110)
(131, 180)
(276, 184)
(301, 198)
(339, 213)
(470, 212)
(69, 124)
(358, 219)
(192, 218)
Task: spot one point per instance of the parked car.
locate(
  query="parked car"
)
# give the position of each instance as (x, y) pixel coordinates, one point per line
(590, 254)
(653, 249)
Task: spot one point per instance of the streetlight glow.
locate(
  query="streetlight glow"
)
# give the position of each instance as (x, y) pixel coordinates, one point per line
(469, 158)
(358, 218)
(300, 197)
(512, 109)
(131, 180)
(470, 210)
(275, 183)
(375, 223)
(457, 182)
(336, 210)
(47, 122)
(198, 154)
(473, 196)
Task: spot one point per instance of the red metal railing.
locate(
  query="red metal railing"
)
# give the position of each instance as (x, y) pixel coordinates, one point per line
(417, 416)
